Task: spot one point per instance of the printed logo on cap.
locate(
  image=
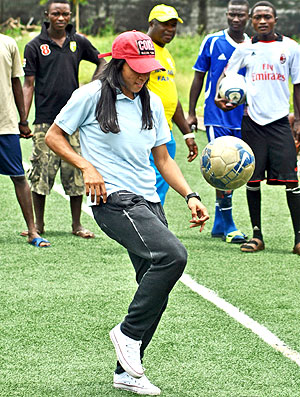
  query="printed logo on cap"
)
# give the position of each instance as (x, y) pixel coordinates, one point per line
(145, 47)
(45, 49)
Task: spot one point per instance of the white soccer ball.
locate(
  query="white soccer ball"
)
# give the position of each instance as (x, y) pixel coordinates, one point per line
(233, 88)
(227, 163)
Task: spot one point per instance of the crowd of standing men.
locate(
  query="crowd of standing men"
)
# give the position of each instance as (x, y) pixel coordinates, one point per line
(126, 160)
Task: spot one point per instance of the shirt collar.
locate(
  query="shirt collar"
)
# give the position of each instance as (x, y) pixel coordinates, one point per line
(70, 29)
(120, 95)
(279, 37)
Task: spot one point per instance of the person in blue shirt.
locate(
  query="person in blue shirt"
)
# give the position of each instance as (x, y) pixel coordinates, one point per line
(120, 123)
(12, 108)
(215, 51)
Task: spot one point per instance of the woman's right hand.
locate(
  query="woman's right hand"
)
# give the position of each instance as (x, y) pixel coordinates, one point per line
(94, 184)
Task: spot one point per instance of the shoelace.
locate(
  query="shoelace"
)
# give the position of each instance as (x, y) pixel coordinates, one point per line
(132, 348)
(142, 382)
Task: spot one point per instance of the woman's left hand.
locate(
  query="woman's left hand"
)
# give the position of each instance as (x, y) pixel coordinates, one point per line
(199, 213)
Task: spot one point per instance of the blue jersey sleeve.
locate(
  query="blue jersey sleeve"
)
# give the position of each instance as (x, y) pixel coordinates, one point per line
(204, 57)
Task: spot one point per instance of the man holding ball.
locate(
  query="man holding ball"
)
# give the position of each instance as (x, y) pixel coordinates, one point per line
(270, 59)
(214, 54)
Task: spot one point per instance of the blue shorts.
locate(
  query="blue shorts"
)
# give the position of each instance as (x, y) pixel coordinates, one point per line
(214, 132)
(161, 185)
(10, 155)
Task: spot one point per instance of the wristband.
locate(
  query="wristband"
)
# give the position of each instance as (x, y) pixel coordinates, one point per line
(190, 135)
(23, 123)
(194, 194)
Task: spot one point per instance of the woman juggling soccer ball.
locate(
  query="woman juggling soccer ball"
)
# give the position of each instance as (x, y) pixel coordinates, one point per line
(120, 124)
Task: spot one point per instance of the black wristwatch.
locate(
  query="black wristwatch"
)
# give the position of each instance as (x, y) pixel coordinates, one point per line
(194, 194)
(23, 123)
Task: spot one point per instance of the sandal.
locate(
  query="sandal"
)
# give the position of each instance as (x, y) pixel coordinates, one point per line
(39, 241)
(235, 237)
(253, 245)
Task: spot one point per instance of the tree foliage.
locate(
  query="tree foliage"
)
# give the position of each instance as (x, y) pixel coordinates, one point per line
(101, 15)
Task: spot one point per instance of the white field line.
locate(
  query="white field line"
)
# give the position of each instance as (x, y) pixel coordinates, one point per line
(260, 330)
(59, 189)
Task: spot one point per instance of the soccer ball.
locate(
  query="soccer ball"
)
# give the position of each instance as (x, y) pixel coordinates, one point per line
(233, 88)
(227, 163)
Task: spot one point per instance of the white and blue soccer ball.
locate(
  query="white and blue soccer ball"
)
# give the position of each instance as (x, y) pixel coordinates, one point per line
(227, 163)
(233, 88)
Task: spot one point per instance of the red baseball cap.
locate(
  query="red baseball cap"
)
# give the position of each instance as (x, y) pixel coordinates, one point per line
(137, 49)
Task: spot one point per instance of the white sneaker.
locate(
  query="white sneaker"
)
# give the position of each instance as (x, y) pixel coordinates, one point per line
(128, 352)
(140, 386)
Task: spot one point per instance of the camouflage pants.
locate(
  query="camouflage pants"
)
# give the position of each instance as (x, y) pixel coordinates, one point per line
(45, 165)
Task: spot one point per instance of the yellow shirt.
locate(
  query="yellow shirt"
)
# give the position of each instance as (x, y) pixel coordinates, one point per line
(162, 82)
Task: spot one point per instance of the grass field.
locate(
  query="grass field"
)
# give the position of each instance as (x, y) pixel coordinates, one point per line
(57, 305)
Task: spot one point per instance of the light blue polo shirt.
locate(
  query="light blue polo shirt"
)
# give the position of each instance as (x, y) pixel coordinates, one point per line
(123, 158)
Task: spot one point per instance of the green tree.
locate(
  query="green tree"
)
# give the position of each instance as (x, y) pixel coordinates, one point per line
(76, 5)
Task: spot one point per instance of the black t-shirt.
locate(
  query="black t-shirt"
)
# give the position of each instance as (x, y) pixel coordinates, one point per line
(55, 69)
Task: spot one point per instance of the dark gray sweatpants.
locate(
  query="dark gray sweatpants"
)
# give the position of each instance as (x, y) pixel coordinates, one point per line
(158, 257)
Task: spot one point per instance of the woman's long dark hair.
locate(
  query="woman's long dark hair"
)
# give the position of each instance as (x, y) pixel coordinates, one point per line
(112, 82)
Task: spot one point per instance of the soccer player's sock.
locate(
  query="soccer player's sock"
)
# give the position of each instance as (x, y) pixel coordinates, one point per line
(254, 205)
(293, 200)
(225, 203)
(218, 227)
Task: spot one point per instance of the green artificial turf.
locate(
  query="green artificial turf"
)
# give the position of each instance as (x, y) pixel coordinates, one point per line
(58, 304)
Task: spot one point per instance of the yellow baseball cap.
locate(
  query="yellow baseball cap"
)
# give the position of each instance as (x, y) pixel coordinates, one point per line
(163, 13)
